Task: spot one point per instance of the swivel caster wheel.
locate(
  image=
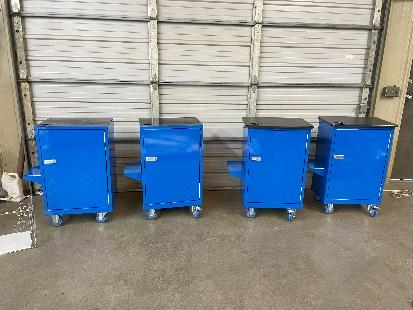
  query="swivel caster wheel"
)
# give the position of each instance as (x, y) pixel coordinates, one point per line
(250, 212)
(102, 217)
(328, 208)
(151, 214)
(291, 215)
(196, 211)
(55, 220)
(373, 210)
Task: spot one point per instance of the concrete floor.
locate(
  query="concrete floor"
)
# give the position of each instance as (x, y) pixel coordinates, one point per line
(222, 261)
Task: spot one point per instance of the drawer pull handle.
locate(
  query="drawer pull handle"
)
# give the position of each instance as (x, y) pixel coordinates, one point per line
(151, 158)
(339, 156)
(49, 161)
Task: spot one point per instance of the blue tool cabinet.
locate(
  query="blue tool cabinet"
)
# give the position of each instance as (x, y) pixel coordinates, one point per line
(171, 165)
(273, 169)
(351, 161)
(74, 167)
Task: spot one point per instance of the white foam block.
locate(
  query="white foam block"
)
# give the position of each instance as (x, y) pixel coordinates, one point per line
(15, 242)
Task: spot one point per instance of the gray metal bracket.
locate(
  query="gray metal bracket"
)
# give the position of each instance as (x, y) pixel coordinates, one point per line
(256, 35)
(23, 76)
(153, 57)
(372, 57)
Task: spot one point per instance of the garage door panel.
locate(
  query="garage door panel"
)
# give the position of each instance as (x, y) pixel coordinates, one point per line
(84, 50)
(88, 8)
(203, 53)
(308, 102)
(219, 108)
(343, 12)
(206, 10)
(313, 56)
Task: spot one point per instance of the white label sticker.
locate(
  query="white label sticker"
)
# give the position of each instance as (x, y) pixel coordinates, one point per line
(49, 161)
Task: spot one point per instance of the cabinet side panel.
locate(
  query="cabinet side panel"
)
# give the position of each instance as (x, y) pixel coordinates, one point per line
(110, 168)
(322, 158)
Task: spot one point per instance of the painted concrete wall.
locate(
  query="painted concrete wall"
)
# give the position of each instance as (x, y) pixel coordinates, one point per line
(10, 131)
(396, 63)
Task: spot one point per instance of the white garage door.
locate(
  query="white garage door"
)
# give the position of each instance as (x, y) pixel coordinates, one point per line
(90, 58)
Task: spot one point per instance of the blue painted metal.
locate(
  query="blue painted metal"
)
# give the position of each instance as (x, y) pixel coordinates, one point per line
(351, 160)
(317, 170)
(235, 168)
(273, 169)
(74, 165)
(133, 171)
(34, 175)
(171, 163)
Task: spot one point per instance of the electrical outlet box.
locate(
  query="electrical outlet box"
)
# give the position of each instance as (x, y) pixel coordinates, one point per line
(391, 91)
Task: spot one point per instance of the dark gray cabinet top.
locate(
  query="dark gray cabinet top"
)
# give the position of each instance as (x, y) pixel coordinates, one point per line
(76, 122)
(348, 121)
(180, 121)
(275, 122)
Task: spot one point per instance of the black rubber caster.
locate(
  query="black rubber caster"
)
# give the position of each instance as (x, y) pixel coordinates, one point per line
(102, 217)
(373, 210)
(55, 220)
(196, 211)
(328, 208)
(291, 215)
(250, 212)
(151, 214)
